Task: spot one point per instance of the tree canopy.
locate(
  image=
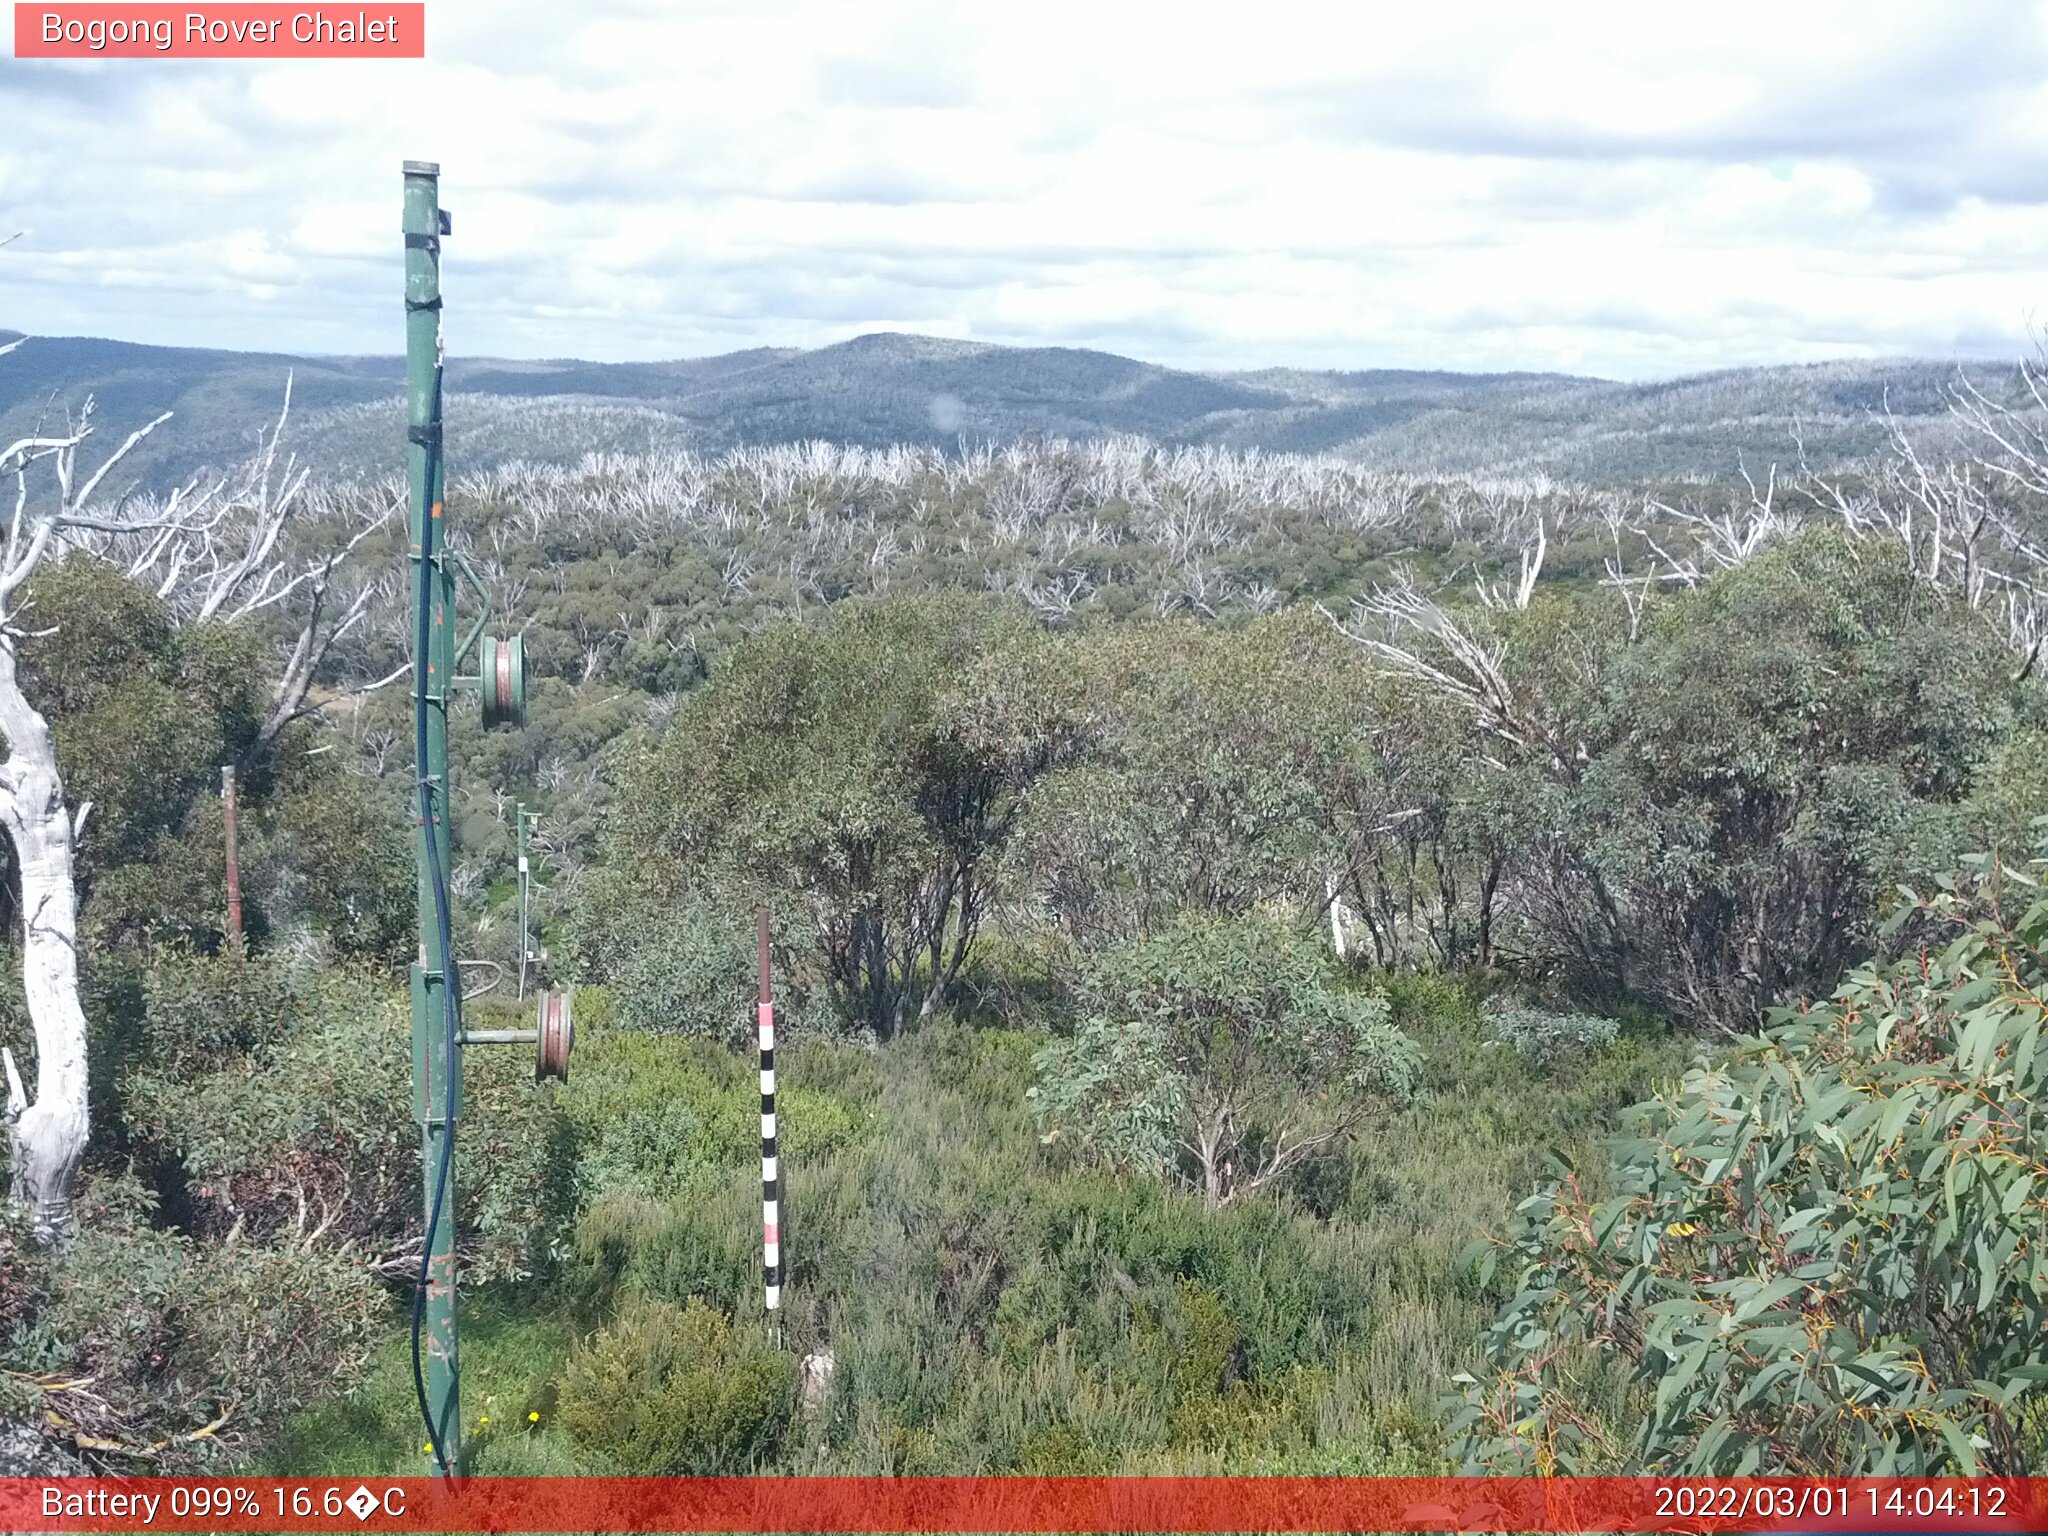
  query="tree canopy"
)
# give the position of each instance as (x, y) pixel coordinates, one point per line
(1219, 1050)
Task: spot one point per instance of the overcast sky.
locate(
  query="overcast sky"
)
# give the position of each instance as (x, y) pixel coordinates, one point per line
(1634, 189)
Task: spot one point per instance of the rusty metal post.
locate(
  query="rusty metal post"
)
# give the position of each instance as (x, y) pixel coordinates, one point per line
(227, 802)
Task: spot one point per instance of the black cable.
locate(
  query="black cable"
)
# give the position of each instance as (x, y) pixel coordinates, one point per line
(437, 879)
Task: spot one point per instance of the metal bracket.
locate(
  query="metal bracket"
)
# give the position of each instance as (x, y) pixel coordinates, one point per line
(553, 1040)
(483, 596)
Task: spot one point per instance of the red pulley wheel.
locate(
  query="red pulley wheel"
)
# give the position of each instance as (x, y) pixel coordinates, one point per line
(501, 683)
(557, 1032)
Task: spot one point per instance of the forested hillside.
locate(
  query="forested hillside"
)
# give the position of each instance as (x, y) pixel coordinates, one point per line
(882, 390)
(1225, 906)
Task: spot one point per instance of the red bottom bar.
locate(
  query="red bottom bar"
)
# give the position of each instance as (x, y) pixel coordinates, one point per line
(995, 1504)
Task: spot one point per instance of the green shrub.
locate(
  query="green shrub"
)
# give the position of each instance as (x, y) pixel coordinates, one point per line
(691, 972)
(670, 1390)
(1117, 1240)
(1546, 1038)
(306, 1132)
(860, 772)
(653, 1113)
(1221, 1050)
(1214, 761)
(25, 1268)
(515, 1155)
(1761, 762)
(1821, 1254)
(1428, 999)
(323, 851)
(648, 1110)
(1208, 1357)
(597, 1009)
(702, 1242)
(199, 1011)
(285, 1101)
(143, 1337)
(1062, 1450)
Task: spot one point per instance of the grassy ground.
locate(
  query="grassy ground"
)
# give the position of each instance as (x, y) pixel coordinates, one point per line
(992, 1308)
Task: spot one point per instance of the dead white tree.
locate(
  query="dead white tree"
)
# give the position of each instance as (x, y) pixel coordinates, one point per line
(1415, 637)
(1722, 539)
(1635, 590)
(1340, 916)
(1498, 594)
(212, 552)
(2013, 438)
(1966, 520)
(227, 557)
(46, 1135)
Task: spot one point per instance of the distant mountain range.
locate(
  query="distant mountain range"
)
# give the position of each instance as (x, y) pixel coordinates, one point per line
(889, 388)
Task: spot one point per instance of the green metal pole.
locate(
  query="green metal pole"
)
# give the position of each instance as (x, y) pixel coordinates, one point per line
(437, 1065)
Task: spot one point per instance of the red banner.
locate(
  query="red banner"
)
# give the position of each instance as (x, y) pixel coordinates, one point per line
(374, 31)
(990, 1504)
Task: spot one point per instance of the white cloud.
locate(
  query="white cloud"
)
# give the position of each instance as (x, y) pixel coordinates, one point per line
(1629, 189)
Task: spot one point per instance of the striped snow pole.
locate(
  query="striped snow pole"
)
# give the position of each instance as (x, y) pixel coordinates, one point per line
(771, 1203)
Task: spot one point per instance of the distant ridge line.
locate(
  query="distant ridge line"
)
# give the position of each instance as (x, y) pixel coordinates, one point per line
(888, 387)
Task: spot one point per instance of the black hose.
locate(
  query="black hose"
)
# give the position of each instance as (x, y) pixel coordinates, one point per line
(437, 879)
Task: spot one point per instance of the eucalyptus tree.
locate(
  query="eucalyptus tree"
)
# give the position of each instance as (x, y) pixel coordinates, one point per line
(861, 771)
(1218, 771)
(1222, 1052)
(1818, 1251)
(1716, 789)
